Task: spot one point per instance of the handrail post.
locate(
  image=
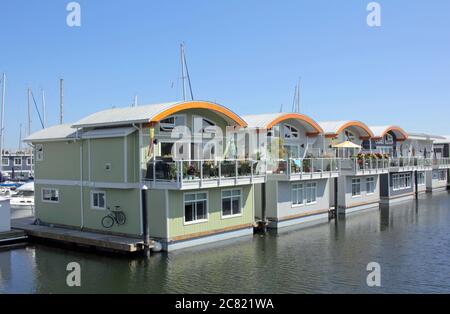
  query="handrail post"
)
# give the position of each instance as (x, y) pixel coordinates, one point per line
(201, 172)
(236, 169)
(154, 171)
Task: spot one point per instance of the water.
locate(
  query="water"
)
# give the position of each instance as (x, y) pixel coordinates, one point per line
(410, 241)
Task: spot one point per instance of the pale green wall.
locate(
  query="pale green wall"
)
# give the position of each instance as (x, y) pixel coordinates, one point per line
(61, 161)
(66, 212)
(215, 221)
(103, 151)
(156, 205)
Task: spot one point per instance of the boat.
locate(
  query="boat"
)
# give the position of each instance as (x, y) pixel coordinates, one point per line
(22, 202)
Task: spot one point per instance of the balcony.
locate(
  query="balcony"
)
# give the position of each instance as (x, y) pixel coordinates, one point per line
(440, 163)
(364, 166)
(409, 164)
(195, 174)
(305, 169)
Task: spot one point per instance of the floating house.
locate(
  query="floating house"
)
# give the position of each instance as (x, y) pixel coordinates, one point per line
(358, 186)
(121, 161)
(298, 176)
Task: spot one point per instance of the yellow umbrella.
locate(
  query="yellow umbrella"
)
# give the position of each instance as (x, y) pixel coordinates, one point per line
(347, 144)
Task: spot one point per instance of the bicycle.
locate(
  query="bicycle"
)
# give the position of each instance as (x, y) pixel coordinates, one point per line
(114, 216)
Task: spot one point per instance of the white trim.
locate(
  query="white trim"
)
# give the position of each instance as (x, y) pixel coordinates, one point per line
(89, 160)
(91, 199)
(125, 159)
(93, 184)
(166, 193)
(240, 203)
(352, 184)
(18, 158)
(7, 159)
(207, 208)
(49, 201)
(141, 220)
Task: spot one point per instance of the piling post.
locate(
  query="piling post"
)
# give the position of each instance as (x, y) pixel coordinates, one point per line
(146, 233)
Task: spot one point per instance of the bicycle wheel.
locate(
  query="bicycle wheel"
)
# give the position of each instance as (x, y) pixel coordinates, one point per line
(120, 218)
(107, 222)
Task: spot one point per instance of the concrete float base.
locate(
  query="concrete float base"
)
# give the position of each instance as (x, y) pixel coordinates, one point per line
(304, 221)
(396, 200)
(437, 190)
(228, 235)
(354, 209)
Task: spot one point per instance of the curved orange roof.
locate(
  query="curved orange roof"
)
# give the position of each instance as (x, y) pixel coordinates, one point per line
(399, 132)
(296, 116)
(356, 124)
(199, 105)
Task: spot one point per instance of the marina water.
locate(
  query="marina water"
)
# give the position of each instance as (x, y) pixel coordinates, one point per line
(410, 241)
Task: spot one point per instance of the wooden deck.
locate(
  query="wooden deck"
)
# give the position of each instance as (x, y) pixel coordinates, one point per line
(77, 237)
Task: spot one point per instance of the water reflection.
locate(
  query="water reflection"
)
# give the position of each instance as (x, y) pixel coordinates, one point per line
(409, 240)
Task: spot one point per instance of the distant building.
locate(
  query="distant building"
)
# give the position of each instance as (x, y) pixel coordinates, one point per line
(17, 164)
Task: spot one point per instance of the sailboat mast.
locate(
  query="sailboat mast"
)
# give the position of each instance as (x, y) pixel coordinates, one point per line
(183, 77)
(61, 101)
(44, 113)
(2, 119)
(29, 111)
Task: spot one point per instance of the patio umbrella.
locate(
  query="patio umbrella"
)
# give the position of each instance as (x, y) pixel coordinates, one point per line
(347, 144)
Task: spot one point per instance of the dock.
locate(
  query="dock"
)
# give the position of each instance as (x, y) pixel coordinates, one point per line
(13, 238)
(98, 241)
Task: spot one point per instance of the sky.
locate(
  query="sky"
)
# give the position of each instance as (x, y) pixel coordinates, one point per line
(244, 54)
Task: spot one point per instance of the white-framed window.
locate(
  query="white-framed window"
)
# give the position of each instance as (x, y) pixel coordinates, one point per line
(290, 131)
(39, 152)
(388, 139)
(231, 203)
(5, 161)
(202, 125)
(195, 207)
(370, 185)
(401, 181)
(29, 161)
(440, 175)
(98, 200)
(311, 193)
(292, 150)
(356, 187)
(18, 161)
(297, 194)
(349, 136)
(50, 195)
(169, 123)
(421, 178)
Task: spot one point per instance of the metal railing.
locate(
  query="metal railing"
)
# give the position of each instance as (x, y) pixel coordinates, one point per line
(409, 162)
(365, 164)
(441, 161)
(202, 170)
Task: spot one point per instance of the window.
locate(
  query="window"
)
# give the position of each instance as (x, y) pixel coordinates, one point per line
(292, 151)
(350, 136)
(168, 124)
(370, 185)
(195, 207)
(421, 178)
(39, 152)
(440, 175)
(202, 125)
(50, 195)
(29, 161)
(98, 200)
(18, 161)
(290, 131)
(311, 193)
(231, 203)
(388, 139)
(5, 161)
(401, 181)
(356, 187)
(297, 194)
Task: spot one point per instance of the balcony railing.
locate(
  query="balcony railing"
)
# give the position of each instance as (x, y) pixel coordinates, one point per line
(441, 162)
(296, 168)
(409, 162)
(203, 173)
(365, 165)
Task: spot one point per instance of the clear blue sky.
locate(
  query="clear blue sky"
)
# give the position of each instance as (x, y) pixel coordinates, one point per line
(244, 54)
